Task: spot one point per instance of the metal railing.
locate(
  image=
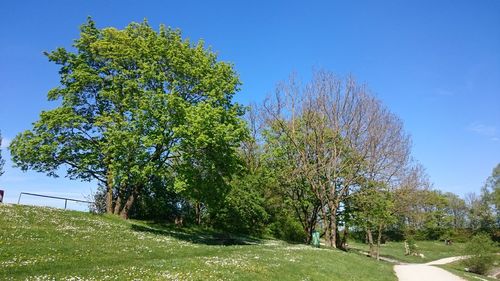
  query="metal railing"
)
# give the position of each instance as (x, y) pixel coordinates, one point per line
(53, 197)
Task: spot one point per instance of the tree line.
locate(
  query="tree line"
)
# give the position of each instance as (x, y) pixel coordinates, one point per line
(150, 116)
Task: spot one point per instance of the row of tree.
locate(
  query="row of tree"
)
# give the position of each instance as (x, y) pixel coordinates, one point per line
(150, 117)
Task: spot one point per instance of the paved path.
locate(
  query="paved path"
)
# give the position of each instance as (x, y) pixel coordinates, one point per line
(426, 271)
(446, 260)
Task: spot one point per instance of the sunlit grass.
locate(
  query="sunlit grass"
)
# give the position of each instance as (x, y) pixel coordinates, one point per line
(50, 244)
(432, 250)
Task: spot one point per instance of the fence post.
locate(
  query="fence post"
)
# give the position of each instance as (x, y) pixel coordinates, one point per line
(65, 203)
(19, 199)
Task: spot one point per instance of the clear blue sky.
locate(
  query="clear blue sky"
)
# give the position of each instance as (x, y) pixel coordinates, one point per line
(436, 64)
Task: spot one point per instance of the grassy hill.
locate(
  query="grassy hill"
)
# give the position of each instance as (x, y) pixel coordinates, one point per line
(432, 250)
(51, 244)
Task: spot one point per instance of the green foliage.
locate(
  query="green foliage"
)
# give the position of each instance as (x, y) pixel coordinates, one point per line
(456, 209)
(429, 214)
(460, 235)
(137, 106)
(481, 251)
(160, 203)
(287, 227)
(373, 206)
(494, 184)
(490, 207)
(293, 155)
(412, 247)
(481, 217)
(244, 208)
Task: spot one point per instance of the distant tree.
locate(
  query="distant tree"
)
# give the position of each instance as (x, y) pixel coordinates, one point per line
(410, 198)
(491, 193)
(457, 209)
(437, 220)
(373, 211)
(484, 213)
(2, 161)
(137, 106)
(480, 217)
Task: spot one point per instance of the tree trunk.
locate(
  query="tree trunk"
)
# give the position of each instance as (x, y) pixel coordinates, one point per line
(327, 234)
(308, 231)
(197, 209)
(333, 227)
(379, 238)
(311, 224)
(370, 241)
(118, 206)
(128, 205)
(109, 194)
(343, 243)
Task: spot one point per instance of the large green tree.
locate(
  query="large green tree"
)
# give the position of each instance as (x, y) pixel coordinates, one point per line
(136, 106)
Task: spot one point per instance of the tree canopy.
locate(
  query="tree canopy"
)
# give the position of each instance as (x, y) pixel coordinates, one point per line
(137, 106)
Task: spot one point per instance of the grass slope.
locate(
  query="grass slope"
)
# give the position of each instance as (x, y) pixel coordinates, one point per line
(432, 250)
(50, 244)
(458, 269)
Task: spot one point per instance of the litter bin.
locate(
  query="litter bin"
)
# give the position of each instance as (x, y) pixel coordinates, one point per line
(315, 239)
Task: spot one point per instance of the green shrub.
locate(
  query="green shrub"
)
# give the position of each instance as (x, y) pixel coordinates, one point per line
(412, 248)
(481, 251)
(395, 234)
(459, 235)
(243, 212)
(289, 229)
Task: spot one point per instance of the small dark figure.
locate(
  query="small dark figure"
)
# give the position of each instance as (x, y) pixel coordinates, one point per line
(178, 221)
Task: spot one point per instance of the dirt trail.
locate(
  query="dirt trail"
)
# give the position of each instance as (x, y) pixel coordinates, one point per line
(426, 271)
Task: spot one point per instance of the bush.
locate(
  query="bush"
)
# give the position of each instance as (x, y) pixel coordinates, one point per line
(457, 235)
(358, 235)
(395, 234)
(411, 247)
(481, 251)
(289, 229)
(243, 212)
(430, 233)
(99, 201)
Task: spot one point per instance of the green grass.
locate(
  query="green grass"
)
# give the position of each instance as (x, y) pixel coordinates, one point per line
(50, 244)
(458, 269)
(432, 250)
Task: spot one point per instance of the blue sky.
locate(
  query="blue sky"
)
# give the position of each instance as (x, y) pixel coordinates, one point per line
(436, 64)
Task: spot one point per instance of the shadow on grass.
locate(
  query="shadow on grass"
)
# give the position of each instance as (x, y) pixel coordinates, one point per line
(196, 235)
